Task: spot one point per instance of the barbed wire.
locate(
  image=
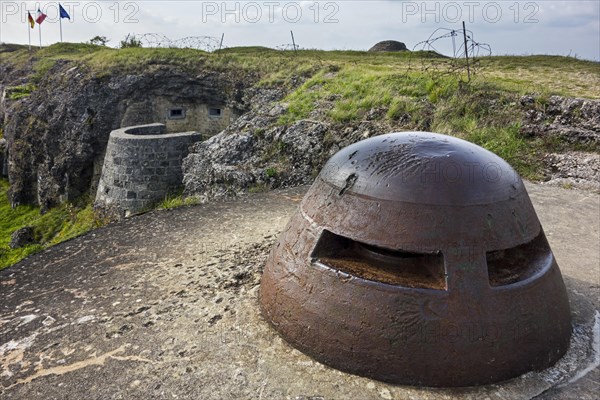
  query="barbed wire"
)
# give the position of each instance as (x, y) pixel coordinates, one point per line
(287, 47)
(205, 43)
(454, 64)
(475, 48)
(158, 40)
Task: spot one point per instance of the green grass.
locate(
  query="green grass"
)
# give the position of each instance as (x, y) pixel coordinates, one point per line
(55, 226)
(258, 188)
(358, 88)
(522, 74)
(271, 172)
(175, 200)
(69, 50)
(559, 75)
(19, 92)
(112, 61)
(484, 111)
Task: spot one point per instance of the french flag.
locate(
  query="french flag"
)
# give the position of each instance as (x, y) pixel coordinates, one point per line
(40, 17)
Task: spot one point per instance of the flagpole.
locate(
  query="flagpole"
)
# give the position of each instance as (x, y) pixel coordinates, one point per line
(29, 33)
(40, 26)
(60, 24)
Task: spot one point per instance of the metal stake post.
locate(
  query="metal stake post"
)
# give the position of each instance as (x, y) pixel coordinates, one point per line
(466, 51)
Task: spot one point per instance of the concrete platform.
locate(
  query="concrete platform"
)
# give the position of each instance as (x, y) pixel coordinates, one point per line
(164, 306)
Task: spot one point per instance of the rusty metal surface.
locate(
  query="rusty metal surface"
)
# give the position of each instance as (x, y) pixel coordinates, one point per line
(417, 258)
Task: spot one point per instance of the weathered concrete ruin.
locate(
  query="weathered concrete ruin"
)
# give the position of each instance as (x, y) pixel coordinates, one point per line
(142, 165)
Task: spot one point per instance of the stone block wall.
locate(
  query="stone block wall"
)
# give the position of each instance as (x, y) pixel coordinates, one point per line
(142, 165)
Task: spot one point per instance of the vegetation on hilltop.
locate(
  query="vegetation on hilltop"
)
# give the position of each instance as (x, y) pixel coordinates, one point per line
(560, 75)
(415, 90)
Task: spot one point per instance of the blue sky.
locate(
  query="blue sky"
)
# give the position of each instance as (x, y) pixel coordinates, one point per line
(509, 27)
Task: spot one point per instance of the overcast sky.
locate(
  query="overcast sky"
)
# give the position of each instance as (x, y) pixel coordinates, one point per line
(509, 27)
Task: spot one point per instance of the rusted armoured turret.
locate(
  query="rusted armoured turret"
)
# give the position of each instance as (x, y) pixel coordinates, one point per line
(417, 258)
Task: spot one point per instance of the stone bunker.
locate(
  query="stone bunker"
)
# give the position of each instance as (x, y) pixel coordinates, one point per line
(208, 117)
(141, 166)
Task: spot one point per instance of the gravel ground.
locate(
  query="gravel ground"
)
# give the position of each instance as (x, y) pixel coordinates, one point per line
(574, 170)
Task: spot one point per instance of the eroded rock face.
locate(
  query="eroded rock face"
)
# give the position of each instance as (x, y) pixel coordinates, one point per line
(575, 120)
(571, 120)
(3, 158)
(256, 152)
(574, 169)
(235, 161)
(57, 136)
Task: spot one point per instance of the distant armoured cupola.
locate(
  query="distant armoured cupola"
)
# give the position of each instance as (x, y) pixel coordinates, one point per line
(389, 45)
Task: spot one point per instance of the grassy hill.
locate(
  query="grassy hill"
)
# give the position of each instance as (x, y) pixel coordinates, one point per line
(414, 90)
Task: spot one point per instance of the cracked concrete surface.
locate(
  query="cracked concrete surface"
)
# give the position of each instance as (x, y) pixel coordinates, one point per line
(164, 305)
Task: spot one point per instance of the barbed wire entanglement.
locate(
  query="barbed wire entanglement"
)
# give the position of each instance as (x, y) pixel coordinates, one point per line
(454, 64)
(205, 43)
(158, 40)
(475, 48)
(288, 47)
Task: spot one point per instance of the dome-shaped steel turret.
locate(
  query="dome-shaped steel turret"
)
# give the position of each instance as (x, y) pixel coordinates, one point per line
(417, 258)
